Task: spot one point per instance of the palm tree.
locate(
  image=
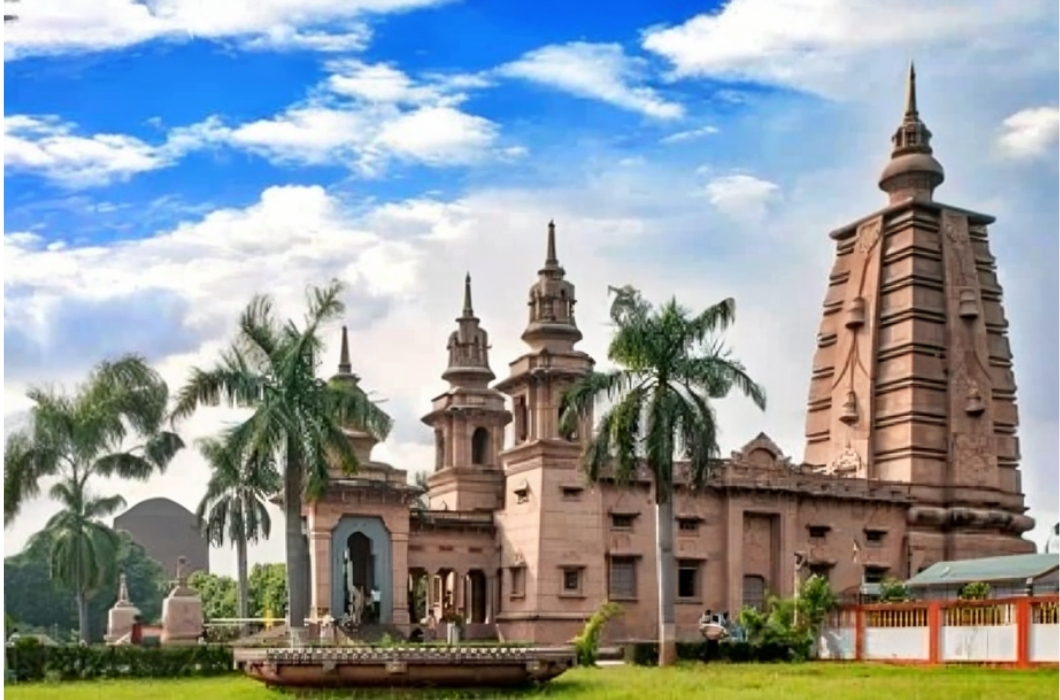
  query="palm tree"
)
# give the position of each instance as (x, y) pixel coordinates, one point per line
(234, 504)
(298, 420)
(671, 364)
(71, 439)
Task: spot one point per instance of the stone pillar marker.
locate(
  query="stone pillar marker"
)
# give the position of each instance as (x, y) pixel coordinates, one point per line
(121, 617)
(182, 621)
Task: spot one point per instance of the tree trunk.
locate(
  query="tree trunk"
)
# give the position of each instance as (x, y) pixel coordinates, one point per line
(241, 573)
(297, 605)
(82, 616)
(664, 538)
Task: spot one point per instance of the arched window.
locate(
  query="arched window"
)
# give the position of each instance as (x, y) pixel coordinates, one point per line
(439, 449)
(480, 446)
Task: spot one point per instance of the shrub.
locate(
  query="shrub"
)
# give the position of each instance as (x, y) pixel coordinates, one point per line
(893, 591)
(587, 644)
(30, 661)
(647, 653)
(976, 590)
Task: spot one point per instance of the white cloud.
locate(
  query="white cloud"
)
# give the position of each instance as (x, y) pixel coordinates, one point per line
(354, 37)
(66, 26)
(439, 136)
(815, 44)
(364, 115)
(741, 197)
(1030, 133)
(361, 117)
(689, 135)
(50, 147)
(379, 83)
(596, 71)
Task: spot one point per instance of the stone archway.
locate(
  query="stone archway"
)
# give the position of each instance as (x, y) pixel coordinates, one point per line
(480, 446)
(361, 553)
(476, 597)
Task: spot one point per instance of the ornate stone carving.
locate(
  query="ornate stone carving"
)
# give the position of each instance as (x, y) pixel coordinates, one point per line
(968, 304)
(868, 235)
(974, 405)
(849, 413)
(856, 313)
(971, 453)
(846, 463)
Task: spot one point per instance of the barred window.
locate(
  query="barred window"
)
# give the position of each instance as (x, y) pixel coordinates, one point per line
(623, 583)
(754, 592)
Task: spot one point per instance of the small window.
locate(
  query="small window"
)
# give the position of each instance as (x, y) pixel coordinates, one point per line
(875, 536)
(622, 583)
(572, 581)
(518, 579)
(688, 579)
(818, 532)
(622, 521)
(688, 525)
(522, 420)
(875, 574)
(571, 493)
(522, 493)
(821, 570)
(754, 592)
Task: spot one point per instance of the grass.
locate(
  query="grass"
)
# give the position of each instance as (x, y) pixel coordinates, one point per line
(715, 681)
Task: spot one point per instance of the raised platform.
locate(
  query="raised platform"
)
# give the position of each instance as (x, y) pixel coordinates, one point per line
(442, 666)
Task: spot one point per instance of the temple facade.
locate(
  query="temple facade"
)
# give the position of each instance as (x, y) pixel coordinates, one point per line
(911, 455)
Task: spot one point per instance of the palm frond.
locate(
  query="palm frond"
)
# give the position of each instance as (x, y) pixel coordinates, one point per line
(103, 507)
(230, 383)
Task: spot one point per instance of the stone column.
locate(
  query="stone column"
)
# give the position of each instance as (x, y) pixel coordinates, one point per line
(459, 581)
(789, 544)
(734, 558)
(320, 573)
(491, 596)
(400, 578)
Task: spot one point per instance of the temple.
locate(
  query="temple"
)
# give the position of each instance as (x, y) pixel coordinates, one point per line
(911, 455)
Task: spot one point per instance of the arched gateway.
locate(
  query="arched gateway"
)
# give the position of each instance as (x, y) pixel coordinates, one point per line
(361, 558)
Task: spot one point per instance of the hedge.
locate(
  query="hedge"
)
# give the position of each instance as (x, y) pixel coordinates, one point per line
(647, 653)
(28, 661)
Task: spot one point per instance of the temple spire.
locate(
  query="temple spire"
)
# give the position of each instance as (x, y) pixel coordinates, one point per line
(469, 311)
(344, 354)
(910, 93)
(551, 260)
(913, 172)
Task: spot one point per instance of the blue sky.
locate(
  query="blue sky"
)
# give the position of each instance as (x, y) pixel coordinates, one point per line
(164, 161)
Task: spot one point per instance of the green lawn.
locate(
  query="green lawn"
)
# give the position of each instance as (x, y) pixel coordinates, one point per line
(716, 681)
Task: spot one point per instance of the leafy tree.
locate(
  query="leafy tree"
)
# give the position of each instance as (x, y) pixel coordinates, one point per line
(70, 440)
(422, 502)
(298, 419)
(670, 365)
(268, 590)
(40, 603)
(218, 593)
(234, 505)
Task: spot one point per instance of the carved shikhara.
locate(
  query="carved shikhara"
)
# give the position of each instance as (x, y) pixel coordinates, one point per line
(973, 450)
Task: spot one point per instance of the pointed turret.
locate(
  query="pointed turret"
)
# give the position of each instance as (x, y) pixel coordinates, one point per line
(468, 347)
(469, 311)
(344, 354)
(551, 260)
(551, 304)
(913, 172)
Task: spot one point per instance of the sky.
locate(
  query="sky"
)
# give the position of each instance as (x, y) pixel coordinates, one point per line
(166, 160)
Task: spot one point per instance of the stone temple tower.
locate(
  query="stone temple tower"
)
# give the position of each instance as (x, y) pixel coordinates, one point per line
(550, 525)
(912, 377)
(468, 422)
